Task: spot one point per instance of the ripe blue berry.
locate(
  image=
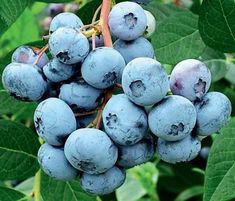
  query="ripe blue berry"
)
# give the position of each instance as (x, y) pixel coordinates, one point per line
(24, 81)
(65, 19)
(145, 81)
(173, 118)
(125, 122)
(213, 112)
(90, 150)
(104, 183)
(68, 45)
(80, 95)
(56, 71)
(130, 50)
(178, 151)
(28, 55)
(103, 67)
(127, 21)
(53, 162)
(54, 121)
(141, 152)
(190, 78)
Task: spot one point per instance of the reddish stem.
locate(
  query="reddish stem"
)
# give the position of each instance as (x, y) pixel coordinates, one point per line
(104, 22)
(85, 113)
(118, 85)
(177, 2)
(40, 53)
(108, 95)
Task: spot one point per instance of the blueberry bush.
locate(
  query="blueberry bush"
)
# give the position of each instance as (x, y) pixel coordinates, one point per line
(116, 100)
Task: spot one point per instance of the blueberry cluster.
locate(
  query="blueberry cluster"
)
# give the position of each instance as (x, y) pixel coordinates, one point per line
(77, 78)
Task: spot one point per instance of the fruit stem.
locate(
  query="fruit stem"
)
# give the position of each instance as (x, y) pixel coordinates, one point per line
(118, 85)
(177, 2)
(37, 186)
(104, 23)
(86, 113)
(40, 53)
(93, 21)
(98, 119)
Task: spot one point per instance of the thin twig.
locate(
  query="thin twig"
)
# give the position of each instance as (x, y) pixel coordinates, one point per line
(86, 113)
(40, 54)
(104, 23)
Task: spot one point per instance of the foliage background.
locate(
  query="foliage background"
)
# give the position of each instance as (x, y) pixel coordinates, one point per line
(203, 30)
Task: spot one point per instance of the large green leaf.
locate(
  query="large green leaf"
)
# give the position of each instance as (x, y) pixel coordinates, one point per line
(53, 1)
(131, 190)
(9, 105)
(162, 11)
(7, 194)
(18, 150)
(52, 190)
(87, 11)
(10, 10)
(220, 171)
(216, 24)
(23, 31)
(177, 38)
(217, 63)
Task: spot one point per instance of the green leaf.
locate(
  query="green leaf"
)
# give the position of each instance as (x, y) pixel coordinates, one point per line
(162, 11)
(52, 190)
(177, 38)
(220, 171)
(174, 179)
(216, 24)
(87, 11)
(190, 193)
(10, 10)
(131, 190)
(7, 194)
(9, 105)
(25, 186)
(23, 31)
(18, 150)
(231, 74)
(218, 68)
(147, 174)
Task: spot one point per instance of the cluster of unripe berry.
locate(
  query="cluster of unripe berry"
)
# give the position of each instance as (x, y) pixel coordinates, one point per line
(78, 80)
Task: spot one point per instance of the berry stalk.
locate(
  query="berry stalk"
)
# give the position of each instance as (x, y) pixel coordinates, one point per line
(104, 22)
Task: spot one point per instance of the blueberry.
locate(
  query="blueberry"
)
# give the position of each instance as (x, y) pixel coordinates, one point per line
(190, 78)
(130, 50)
(145, 81)
(28, 55)
(151, 24)
(141, 152)
(178, 151)
(24, 81)
(90, 150)
(213, 112)
(204, 153)
(66, 19)
(103, 67)
(104, 183)
(56, 71)
(127, 21)
(80, 95)
(53, 162)
(173, 118)
(55, 8)
(125, 122)
(54, 121)
(69, 46)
